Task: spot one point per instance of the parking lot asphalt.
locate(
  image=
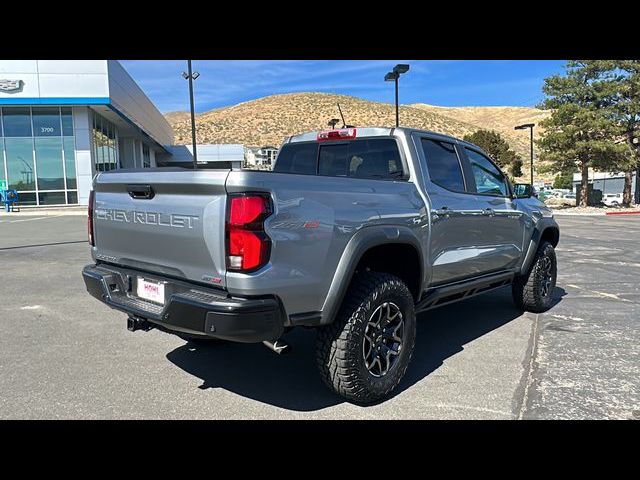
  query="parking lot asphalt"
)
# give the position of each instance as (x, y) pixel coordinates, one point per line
(63, 354)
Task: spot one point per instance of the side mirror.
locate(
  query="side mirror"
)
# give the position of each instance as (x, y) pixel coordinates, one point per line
(522, 190)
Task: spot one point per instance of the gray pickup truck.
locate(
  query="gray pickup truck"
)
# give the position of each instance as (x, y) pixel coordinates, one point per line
(354, 232)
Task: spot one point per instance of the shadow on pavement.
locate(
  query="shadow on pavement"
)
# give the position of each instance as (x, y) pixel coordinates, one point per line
(292, 381)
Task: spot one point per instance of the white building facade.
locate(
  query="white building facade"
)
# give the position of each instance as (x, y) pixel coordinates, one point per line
(62, 121)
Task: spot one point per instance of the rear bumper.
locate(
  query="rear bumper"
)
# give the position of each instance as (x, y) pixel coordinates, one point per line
(188, 308)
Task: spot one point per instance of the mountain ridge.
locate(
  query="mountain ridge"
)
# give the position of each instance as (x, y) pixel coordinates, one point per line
(269, 120)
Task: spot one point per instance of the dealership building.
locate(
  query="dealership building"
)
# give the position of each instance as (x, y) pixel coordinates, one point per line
(63, 121)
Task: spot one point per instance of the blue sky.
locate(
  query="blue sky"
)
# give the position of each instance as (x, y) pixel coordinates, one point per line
(437, 82)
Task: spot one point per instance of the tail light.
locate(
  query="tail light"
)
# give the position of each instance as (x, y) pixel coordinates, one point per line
(90, 219)
(248, 245)
(342, 134)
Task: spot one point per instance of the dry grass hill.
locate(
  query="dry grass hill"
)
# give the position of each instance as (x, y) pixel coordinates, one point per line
(500, 119)
(177, 117)
(269, 120)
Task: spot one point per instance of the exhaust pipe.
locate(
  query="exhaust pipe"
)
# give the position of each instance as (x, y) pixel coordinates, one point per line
(279, 346)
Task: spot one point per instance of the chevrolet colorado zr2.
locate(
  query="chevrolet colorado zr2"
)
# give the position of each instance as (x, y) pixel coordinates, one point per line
(353, 233)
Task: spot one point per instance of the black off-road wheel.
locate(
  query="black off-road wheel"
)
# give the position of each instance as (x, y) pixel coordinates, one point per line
(364, 353)
(534, 292)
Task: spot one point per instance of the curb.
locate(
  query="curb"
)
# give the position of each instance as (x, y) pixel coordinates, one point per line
(637, 212)
(569, 214)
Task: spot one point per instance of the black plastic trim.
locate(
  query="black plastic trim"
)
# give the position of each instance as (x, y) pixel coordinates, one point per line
(359, 244)
(542, 225)
(454, 292)
(190, 308)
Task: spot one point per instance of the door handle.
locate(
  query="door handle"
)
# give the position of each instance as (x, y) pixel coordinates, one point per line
(141, 191)
(442, 211)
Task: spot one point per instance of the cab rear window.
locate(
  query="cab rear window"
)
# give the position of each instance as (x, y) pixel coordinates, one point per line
(298, 158)
(376, 158)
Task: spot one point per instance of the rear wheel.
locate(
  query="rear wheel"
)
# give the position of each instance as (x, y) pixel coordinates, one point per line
(534, 292)
(364, 353)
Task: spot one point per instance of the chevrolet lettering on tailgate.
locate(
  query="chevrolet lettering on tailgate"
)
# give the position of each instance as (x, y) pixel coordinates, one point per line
(148, 218)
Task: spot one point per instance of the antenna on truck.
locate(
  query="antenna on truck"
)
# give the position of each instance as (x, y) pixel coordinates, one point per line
(344, 123)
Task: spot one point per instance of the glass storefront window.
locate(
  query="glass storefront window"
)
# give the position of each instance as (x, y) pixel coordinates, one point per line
(27, 198)
(51, 198)
(46, 122)
(67, 121)
(105, 144)
(20, 168)
(70, 161)
(146, 157)
(49, 163)
(16, 121)
(40, 162)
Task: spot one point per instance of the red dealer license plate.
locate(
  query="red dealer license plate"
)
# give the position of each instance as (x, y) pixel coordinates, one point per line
(152, 291)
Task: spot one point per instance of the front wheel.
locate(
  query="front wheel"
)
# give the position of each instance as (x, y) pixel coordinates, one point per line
(534, 292)
(364, 353)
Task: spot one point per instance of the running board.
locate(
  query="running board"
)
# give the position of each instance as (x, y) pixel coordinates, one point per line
(453, 292)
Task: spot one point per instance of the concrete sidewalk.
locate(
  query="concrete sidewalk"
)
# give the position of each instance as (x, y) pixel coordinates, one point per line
(44, 212)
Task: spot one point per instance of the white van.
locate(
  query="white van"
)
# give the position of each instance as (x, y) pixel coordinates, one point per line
(612, 199)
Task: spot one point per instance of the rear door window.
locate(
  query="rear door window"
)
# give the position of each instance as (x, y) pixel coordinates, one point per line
(443, 164)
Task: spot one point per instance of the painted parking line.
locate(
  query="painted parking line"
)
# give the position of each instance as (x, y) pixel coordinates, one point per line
(35, 218)
(599, 294)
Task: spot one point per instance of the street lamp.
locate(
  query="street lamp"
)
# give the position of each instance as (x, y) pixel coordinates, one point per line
(191, 76)
(393, 76)
(523, 127)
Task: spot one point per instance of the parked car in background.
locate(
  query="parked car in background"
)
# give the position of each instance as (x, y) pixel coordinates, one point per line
(612, 199)
(560, 199)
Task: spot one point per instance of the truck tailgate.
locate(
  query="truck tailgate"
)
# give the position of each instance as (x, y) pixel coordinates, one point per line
(165, 221)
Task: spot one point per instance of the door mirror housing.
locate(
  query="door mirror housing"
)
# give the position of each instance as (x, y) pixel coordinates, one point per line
(522, 190)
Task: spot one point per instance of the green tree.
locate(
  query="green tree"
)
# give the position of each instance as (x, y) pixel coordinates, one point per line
(516, 167)
(626, 111)
(580, 133)
(563, 180)
(498, 149)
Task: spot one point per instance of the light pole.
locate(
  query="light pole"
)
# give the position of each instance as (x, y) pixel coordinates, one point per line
(530, 127)
(191, 76)
(393, 76)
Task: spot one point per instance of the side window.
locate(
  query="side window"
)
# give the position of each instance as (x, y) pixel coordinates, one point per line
(297, 158)
(443, 164)
(489, 179)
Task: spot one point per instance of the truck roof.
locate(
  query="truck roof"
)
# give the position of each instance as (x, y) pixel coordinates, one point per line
(363, 132)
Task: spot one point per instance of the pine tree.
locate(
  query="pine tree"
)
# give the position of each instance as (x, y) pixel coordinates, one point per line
(626, 111)
(580, 131)
(563, 180)
(498, 149)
